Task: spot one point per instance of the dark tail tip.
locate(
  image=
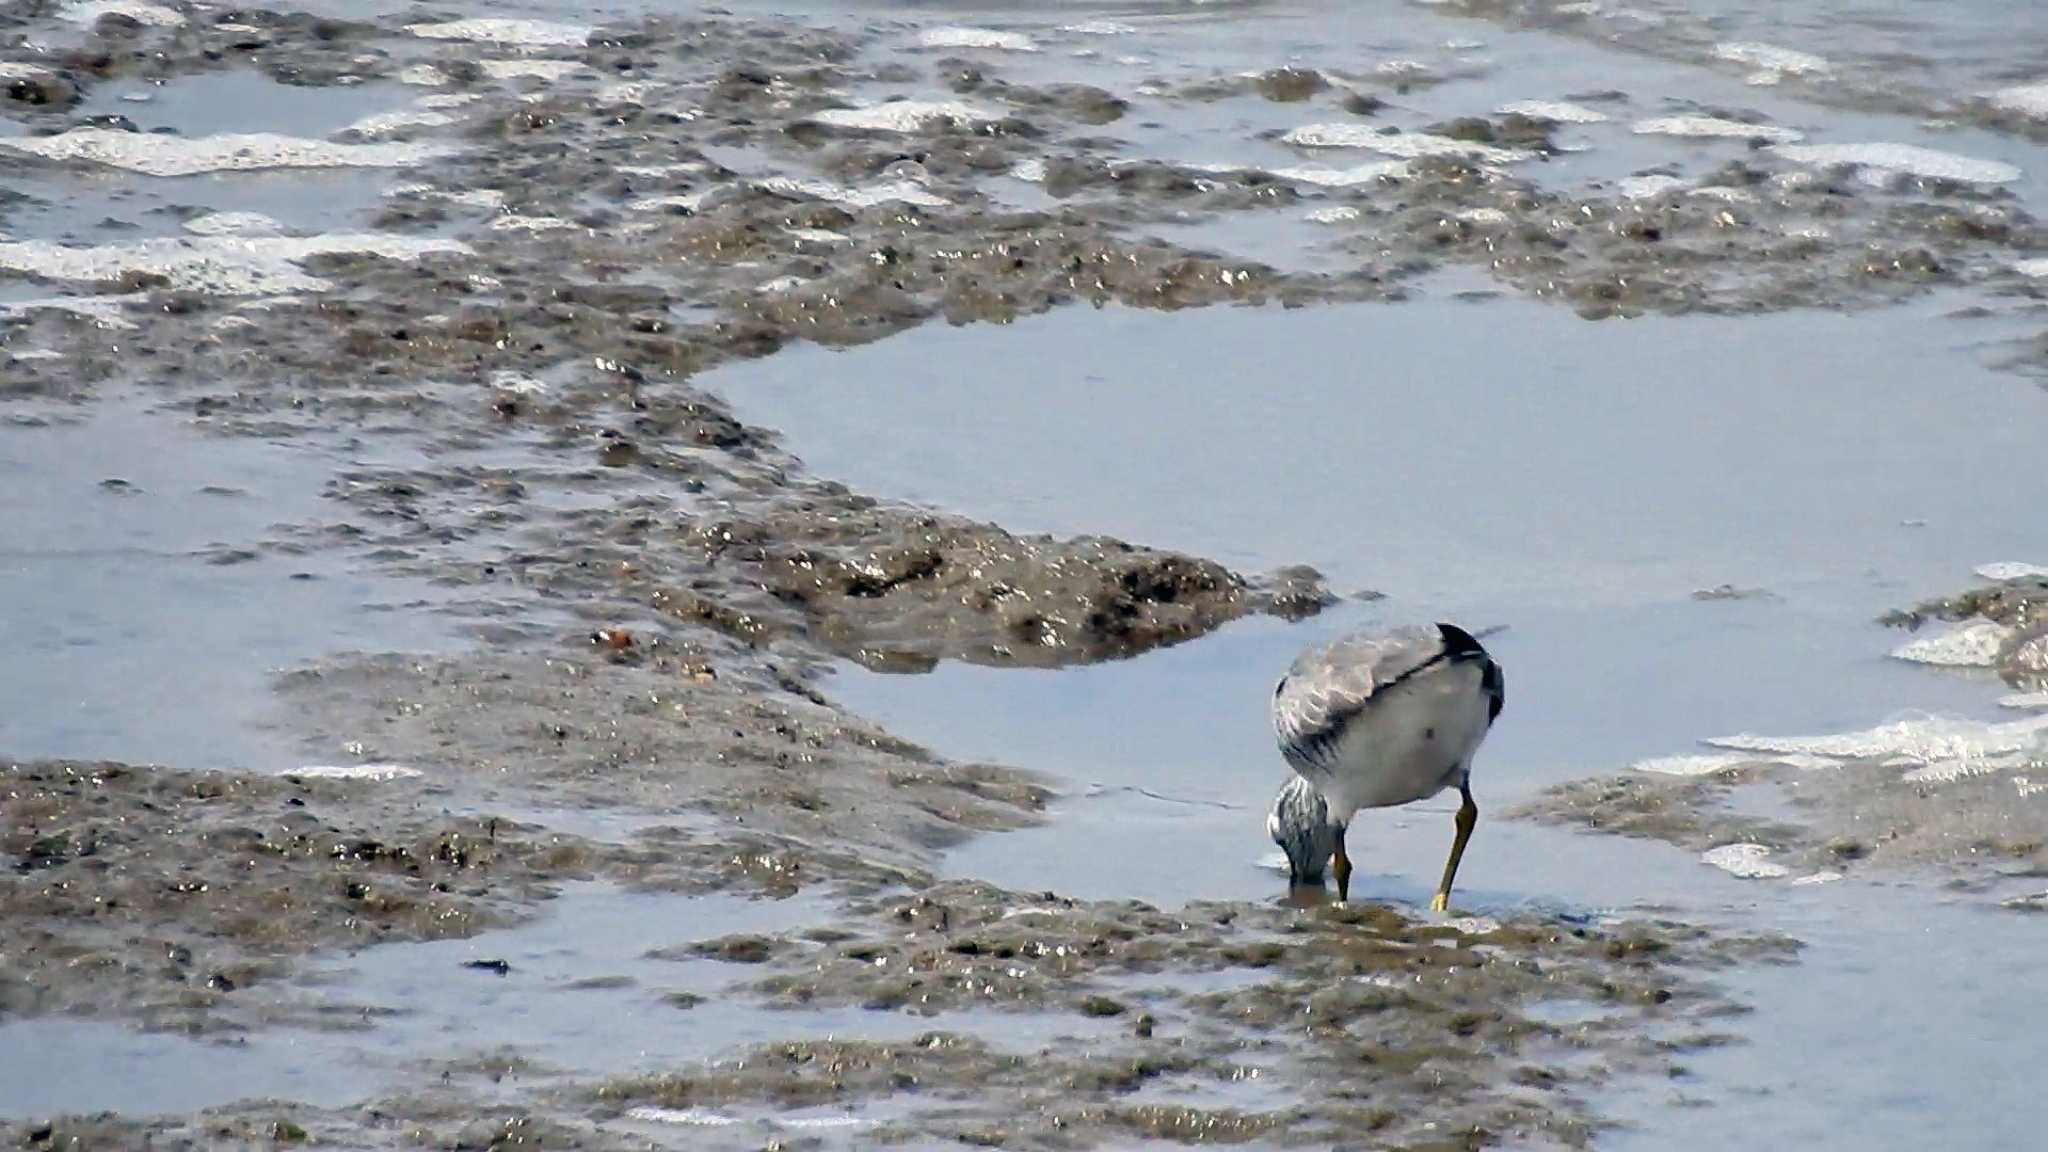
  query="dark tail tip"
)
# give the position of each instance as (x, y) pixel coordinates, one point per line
(1458, 642)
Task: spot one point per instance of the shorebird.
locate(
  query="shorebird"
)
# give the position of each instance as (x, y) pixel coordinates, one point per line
(1380, 719)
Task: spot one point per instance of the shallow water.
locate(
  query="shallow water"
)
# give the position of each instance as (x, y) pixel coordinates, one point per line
(134, 549)
(1498, 463)
(598, 985)
(1459, 456)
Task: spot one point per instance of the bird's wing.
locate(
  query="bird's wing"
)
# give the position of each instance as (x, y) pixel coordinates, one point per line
(1330, 684)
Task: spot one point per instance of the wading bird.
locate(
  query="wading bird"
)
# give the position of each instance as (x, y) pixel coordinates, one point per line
(1379, 719)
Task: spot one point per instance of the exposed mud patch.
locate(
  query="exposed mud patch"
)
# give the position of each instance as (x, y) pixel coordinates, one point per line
(1350, 1016)
(2004, 626)
(159, 895)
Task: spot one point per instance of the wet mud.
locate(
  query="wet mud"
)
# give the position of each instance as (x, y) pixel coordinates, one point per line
(165, 896)
(2008, 619)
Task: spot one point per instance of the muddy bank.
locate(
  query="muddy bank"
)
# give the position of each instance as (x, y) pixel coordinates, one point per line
(1985, 831)
(2002, 625)
(166, 896)
(157, 894)
(1222, 1024)
(1964, 798)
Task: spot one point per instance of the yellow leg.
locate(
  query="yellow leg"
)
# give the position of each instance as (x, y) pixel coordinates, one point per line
(1468, 815)
(1340, 866)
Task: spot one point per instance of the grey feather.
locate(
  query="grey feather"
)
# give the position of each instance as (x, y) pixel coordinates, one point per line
(1330, 684)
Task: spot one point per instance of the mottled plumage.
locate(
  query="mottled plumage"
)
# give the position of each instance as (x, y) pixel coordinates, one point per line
(1300, 825)
(1373, 720)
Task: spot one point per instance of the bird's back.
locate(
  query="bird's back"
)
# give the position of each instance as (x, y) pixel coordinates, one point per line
(1385, 717)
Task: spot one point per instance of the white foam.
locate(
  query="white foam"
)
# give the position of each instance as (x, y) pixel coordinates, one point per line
(2024, 700)
(2026, 787)
(515, 223)
(2035, 268)
(1700, 765)
(1948, 771)
(1973, 645)
(1647, 187)
(1926, 740)
(817, 236)
(780, 285)
(683, 168)
(32, 354)
(1344, 177)
(2011, 570)
(2026, 99)
(12, 71)
(354, 772)
(956, 37)
(516, 382)
(103, 311)
(1556, 111)
(1473, 925)
(1749, 861)
(233, 224)
(154, 15)
(1335, 215)
(227, 265)
(385, 123)
(1771, 61)
(448, 100)
(548, 70)
(1723, 193)
(895, 191)
(1406, 145)
(1812, 879)
(154, 155)
(1906, 159)
(423, 76)
(530, 33)
(1098, 28)
(903, 116)
(688, 1117)
(1030, 171)
(489, 199)
(628, 92)
(1489, 217)
(1713, 128)
(1708, 764)
(686, 201)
